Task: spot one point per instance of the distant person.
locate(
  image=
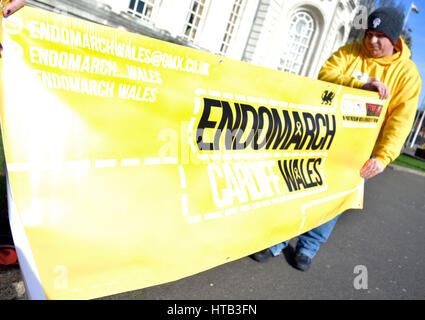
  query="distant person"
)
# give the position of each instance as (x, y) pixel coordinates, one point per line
(379, 62)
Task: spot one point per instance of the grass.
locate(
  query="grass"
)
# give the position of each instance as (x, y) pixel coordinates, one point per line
(410, 162)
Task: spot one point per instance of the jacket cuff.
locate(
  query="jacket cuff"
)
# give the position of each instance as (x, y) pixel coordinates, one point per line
(357, 83)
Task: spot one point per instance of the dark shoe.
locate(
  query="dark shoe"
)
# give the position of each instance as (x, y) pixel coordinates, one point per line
(262, 256)
(301, 261)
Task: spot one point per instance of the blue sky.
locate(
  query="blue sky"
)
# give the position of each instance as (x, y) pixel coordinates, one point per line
(416, 22)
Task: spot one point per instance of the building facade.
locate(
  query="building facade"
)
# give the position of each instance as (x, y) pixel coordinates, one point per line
(294, 36)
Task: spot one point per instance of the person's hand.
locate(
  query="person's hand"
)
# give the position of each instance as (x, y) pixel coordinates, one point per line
(12, 7)
(371, 168)
(375, 85)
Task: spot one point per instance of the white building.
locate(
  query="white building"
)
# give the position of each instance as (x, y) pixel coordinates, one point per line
(291, 35)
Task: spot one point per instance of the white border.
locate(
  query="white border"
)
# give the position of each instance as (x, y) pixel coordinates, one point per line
(33, 286)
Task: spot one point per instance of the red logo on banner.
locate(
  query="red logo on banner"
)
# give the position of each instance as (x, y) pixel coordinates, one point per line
(373, 110)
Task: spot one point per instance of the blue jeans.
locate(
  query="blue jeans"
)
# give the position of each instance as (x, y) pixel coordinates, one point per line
(309, 242)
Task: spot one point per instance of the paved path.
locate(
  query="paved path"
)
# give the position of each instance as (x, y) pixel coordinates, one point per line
(386, 239)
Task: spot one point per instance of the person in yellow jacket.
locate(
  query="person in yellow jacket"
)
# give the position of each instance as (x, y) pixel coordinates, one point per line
(379, 62)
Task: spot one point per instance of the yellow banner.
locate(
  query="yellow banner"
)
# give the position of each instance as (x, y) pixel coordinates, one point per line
(133, 162)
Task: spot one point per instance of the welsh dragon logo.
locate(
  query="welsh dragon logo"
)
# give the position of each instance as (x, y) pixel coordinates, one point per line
(327, 97)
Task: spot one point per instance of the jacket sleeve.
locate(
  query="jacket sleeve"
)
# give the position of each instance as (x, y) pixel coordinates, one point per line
(334, 68)
(399, 119)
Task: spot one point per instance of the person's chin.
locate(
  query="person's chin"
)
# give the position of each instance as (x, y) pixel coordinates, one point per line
(374, 53)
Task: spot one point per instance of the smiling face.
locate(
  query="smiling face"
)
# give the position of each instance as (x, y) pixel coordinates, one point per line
(378, 44)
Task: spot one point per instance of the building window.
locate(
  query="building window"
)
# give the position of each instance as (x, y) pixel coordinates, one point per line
(141, 9)
(300, 34)
(195, 15)
(232, 24)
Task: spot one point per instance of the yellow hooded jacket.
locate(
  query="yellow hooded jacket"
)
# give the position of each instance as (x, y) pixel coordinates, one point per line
(351, 66)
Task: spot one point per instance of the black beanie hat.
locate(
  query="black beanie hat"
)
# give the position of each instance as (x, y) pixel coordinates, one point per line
(388, 20)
